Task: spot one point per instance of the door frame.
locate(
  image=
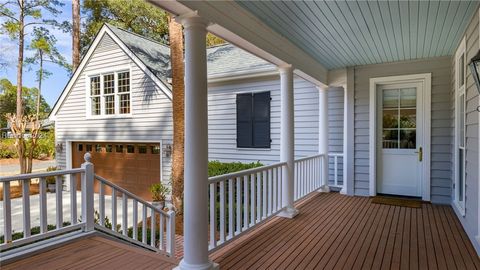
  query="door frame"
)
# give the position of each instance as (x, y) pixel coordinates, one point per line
(426, 80)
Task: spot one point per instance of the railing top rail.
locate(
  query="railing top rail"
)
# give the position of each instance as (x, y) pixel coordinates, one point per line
(223, 177)
(309, 157)
(340, 154)
(133, 196)
(39, 175)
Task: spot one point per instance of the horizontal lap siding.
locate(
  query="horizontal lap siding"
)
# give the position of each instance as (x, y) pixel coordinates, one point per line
(222, 121)
(335, 132)
(470, 220)
(151, 109)
(442, 121)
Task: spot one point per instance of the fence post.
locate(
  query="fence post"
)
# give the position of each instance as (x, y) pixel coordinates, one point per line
(88, 214)
(171, 233)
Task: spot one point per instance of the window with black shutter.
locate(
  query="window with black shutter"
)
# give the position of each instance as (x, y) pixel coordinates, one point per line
(253, 120)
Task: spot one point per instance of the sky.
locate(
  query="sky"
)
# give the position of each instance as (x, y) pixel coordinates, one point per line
(52, 87)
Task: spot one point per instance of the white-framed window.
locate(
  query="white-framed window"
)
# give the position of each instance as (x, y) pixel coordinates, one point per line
(109, 94)
(460, 135)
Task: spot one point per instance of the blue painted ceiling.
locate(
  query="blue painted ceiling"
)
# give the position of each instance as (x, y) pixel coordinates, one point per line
(348, 33)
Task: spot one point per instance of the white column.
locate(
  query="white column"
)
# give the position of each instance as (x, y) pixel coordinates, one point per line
(323, 134)
(287, 141)
(196, 146)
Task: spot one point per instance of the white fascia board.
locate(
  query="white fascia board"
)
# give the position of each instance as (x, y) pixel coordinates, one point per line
(241, 28)
(105, 30)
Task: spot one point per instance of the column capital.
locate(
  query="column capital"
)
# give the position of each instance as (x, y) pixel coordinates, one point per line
(322, 87)
(192, 19)
(285, 69)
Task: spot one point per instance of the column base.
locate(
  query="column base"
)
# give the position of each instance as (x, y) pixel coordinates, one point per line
(343, 191)
(208, 266)
(324, 189)
(288, 212)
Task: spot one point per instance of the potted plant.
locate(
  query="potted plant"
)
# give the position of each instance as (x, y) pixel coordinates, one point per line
(159, 193)
(51, 179)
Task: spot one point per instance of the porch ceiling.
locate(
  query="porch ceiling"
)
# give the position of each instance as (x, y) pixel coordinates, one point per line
(340, 33)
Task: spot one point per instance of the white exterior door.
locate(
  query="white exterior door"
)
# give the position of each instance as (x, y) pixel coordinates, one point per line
(400, 139)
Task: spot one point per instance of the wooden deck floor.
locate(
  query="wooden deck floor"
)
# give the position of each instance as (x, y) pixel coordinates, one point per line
(94, 252)
(339, 232)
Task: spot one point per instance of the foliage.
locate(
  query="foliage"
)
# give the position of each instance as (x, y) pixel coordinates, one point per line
(7, 148)
(8, 96)
(216, 167)
(159, 192)
(51, 179)
(146, 20)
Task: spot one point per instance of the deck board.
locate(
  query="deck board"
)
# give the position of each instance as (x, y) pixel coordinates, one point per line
(334, 231)
(94, 252)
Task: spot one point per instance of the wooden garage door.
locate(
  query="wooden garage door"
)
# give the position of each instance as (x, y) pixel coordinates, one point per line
(133, 166)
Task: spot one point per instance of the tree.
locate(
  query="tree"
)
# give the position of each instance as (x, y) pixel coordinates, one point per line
(75, 34)
(19, 16)
(178, 104)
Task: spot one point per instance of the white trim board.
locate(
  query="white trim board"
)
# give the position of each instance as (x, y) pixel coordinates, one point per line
(426, 79)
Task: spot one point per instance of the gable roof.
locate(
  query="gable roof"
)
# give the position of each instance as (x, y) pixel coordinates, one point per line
(154, 59)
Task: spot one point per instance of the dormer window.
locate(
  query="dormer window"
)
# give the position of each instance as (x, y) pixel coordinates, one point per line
(110, 94)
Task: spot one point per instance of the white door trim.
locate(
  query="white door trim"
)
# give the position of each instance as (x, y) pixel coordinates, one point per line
(426, 80)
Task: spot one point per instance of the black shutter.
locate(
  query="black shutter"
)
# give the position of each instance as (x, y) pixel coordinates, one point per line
(244, 120)
(261, 120)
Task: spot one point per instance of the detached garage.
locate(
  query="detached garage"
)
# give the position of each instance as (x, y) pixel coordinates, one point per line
(133, 166)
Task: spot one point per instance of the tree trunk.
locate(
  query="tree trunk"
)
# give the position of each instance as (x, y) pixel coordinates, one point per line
(178, 84)
(75, 34)
(19, 140)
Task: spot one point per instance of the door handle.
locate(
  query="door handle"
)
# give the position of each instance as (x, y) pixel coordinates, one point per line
(420, 154)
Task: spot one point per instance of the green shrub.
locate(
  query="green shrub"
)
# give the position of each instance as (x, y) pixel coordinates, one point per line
(216, 167)
(51, 179)
(7, 148)
(159, 192)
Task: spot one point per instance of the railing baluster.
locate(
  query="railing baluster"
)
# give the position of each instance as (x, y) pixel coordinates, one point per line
(101, 204)
(124, 214)
(259, 197)
(222, 211)
(144, 223)
(58, 200)
(275, 190)
(270, 192)
(153, 228)
(239, 205)
(264, 194)
(7, 213)
(26, 208)
(114, 209)
(42, 186)
(213, 214)
(252, 199)
(160, 245)
(245, 202)
(335, 170)
(135, 220)
(280, 186)
(171, 233)
(230, 209)
(73, 199)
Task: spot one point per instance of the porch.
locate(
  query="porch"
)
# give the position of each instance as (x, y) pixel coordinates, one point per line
(332, 231)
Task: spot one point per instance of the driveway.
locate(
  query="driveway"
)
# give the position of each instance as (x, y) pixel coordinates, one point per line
(11, 168)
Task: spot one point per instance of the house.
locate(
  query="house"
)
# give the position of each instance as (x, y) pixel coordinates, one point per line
(123, 115)
(411, 129)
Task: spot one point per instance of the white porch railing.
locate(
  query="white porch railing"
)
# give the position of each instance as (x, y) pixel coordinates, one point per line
(239, 201)
(160, 237)
(308, 175)
(44, 232)
(336, 157)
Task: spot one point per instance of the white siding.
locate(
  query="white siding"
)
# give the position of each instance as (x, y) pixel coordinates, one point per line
(470, 220)
(151, 118)
(442, 121)
(222, 120)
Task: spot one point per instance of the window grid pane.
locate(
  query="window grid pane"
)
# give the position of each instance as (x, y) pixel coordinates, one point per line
(95, 86)
(110, 104)
(399, 118)
(108, 84)
(125, 103)
(124, 82)
(96, 106)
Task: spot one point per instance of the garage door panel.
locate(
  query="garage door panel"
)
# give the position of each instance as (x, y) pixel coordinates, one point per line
(135, 172)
